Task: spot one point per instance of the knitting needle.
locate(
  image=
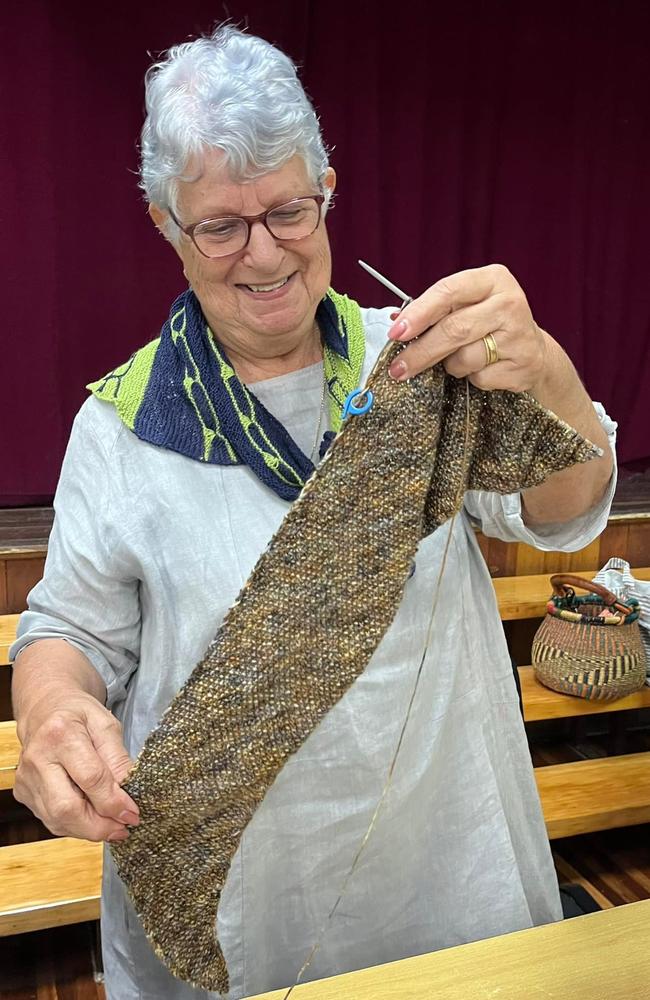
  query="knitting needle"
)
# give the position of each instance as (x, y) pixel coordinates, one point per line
(387, 284)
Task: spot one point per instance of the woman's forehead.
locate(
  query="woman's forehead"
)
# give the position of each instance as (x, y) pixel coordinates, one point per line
(212, 191)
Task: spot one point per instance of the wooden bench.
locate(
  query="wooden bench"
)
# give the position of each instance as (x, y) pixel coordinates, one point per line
(58, 881)
(590, 795)
(8, 626)
(596, 956)
(9, 753)
(518, 597)
(542, 703)
(49, 883)
(539, 703)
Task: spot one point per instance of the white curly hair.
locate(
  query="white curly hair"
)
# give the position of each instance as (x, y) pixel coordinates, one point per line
(228, 91)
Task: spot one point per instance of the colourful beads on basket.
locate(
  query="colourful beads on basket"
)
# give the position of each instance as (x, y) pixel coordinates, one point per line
(561, 607)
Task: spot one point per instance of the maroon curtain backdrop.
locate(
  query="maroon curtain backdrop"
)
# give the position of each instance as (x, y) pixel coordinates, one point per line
(462, 134)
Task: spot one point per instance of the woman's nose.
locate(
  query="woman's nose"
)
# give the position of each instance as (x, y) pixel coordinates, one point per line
(262, 249)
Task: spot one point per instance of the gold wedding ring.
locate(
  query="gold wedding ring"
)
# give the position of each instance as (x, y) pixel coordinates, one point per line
(491, 349)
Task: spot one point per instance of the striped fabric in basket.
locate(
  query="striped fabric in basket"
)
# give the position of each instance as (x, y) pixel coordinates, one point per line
(617, 576)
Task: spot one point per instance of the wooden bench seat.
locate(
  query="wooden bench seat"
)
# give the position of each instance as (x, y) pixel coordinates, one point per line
(55, 882)
(539, 703)
(526, 596)
(8, 626)
(590, 795)
(593, 957)
(517, 596)
(49, 883)
(542, 703)
(9, 753)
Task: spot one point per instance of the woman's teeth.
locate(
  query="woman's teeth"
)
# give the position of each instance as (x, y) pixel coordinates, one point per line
(268, 288)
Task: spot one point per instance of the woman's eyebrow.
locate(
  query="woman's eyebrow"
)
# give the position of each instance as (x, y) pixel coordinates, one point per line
(215, 213)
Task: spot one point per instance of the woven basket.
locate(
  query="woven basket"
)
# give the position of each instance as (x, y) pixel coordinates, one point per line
(589, 646)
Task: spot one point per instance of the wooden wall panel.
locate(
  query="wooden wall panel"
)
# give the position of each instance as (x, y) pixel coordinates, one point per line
(501, 557)
(638, 550)
(21, 575)
(614, 541)
(628, 539)
(3, 587)
(532, 561)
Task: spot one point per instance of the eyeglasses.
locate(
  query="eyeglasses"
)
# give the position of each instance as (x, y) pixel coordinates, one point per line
(229, 234)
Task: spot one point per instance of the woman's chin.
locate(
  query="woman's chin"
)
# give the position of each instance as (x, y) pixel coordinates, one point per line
(277, 327)
(278, 315)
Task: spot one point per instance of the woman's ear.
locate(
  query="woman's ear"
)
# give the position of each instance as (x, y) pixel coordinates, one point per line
(161, 220)
(158, 217)
(329, 181)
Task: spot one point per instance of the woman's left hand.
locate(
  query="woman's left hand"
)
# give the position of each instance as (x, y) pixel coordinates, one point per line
(450, 321)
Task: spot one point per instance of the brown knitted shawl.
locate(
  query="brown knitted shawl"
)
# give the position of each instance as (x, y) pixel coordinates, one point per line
(304, 627)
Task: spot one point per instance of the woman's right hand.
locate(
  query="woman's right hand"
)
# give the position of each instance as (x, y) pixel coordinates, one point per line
(71, 766)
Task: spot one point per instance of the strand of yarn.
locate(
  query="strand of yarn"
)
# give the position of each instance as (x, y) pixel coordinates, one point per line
(391, 769)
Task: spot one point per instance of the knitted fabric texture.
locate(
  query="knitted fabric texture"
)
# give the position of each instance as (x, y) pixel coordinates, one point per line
(181, 392)
(304, 628)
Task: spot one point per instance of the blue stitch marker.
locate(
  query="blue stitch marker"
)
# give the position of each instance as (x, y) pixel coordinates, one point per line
(349, 406)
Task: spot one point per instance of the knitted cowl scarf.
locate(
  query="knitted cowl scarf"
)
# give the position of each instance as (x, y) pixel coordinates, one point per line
(181, 392)
(303, 629)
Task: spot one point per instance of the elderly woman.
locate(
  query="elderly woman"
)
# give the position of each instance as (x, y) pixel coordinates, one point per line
(180, 468)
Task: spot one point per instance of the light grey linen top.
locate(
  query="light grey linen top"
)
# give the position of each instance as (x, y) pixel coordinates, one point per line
(148, 551)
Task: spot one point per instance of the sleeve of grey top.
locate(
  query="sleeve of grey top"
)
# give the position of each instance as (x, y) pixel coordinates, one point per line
(501, 516)
(89, 592)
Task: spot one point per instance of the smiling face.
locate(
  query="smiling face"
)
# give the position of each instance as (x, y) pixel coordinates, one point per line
(259, 302)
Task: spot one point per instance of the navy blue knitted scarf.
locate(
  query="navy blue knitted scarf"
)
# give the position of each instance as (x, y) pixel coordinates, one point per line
(180, 392)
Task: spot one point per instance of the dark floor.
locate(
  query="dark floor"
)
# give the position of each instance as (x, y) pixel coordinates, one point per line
(613, 865)
(55, 964)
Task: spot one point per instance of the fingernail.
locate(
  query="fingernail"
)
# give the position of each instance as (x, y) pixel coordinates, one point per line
(398, 330)
(397, 370)
(119, 835)
(129, 817)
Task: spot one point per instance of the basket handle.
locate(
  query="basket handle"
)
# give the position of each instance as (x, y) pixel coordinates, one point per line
(561, 582)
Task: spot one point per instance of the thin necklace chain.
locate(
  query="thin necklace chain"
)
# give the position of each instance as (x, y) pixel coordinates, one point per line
(319, 419)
